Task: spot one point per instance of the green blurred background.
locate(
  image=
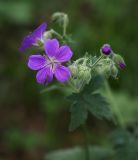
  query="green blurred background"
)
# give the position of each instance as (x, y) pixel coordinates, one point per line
(33, 123)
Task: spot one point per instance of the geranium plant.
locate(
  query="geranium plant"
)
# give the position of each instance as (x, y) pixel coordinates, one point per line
(84, 76)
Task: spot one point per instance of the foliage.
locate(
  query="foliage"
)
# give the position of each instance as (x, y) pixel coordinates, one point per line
(125, 144)
(88, 100)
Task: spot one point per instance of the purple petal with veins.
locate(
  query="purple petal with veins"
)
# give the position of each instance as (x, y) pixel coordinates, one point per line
(26, 43)
(33, 37)
(62, 73)
(36, 62)
(51, 47)
(64, 54)
(38, 33)
(44, 76)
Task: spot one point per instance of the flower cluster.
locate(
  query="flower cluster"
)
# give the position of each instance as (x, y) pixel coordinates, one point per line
(107, 50)
(85, 67)
(50, 63)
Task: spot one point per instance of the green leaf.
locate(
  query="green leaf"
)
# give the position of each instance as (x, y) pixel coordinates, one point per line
(96, 83)
(98, 106)
(79, 115)
(88, 101)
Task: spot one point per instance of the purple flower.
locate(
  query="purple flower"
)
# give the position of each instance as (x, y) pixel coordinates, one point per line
(33, 38)
(50, 64)
(106, 49)
(121, 65)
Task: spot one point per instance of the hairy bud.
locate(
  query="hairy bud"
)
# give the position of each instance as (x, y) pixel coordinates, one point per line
(106, 49)
(48, 34)
(85, 73)
(114, 71)
(74, 70)
(119, 61)
(60, 18)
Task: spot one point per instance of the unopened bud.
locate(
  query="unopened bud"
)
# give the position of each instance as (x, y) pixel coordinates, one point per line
(105, 71)
(85, 73)
(74, 70)
(122, 65)
(106, 49)
(47, 34)
(114, 71)
(119, 61)
(61, 18)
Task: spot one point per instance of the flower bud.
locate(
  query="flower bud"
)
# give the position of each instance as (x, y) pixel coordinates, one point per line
(84, 73)
(81, 74)
(47, 34)
(61, 18)
(74, 70)
(106, 49)
(114, 71)
(105, 70)
(122, 65)
(119, 61)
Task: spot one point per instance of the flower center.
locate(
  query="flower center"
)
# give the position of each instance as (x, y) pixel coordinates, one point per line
(52, 62)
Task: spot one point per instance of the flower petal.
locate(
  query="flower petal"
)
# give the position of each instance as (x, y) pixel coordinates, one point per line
(36, 62)
(26, 43)
(62, 73)
(51, 47)
(38, 32)
(64, 54)
(44, 76)
(31, 38)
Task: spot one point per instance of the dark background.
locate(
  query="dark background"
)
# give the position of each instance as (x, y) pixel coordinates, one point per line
(34, 123)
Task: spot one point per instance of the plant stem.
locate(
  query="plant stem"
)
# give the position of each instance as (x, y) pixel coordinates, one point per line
(86, 145)
(65, 25)
(57, 34)
(114, 107)
(64, 30)
(94, 64)
(73, 87)
(79, 60)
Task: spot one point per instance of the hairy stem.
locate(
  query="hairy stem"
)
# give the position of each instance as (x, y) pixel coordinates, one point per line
(64, 30)
(95, 63)
(114, 107)
(74, 89)
(79, 60)
(64, 26)
(86, 144)
(57, 34)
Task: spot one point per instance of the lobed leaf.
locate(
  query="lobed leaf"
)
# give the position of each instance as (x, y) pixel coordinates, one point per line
(98, 106)
(88, 101)
(79, 115)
